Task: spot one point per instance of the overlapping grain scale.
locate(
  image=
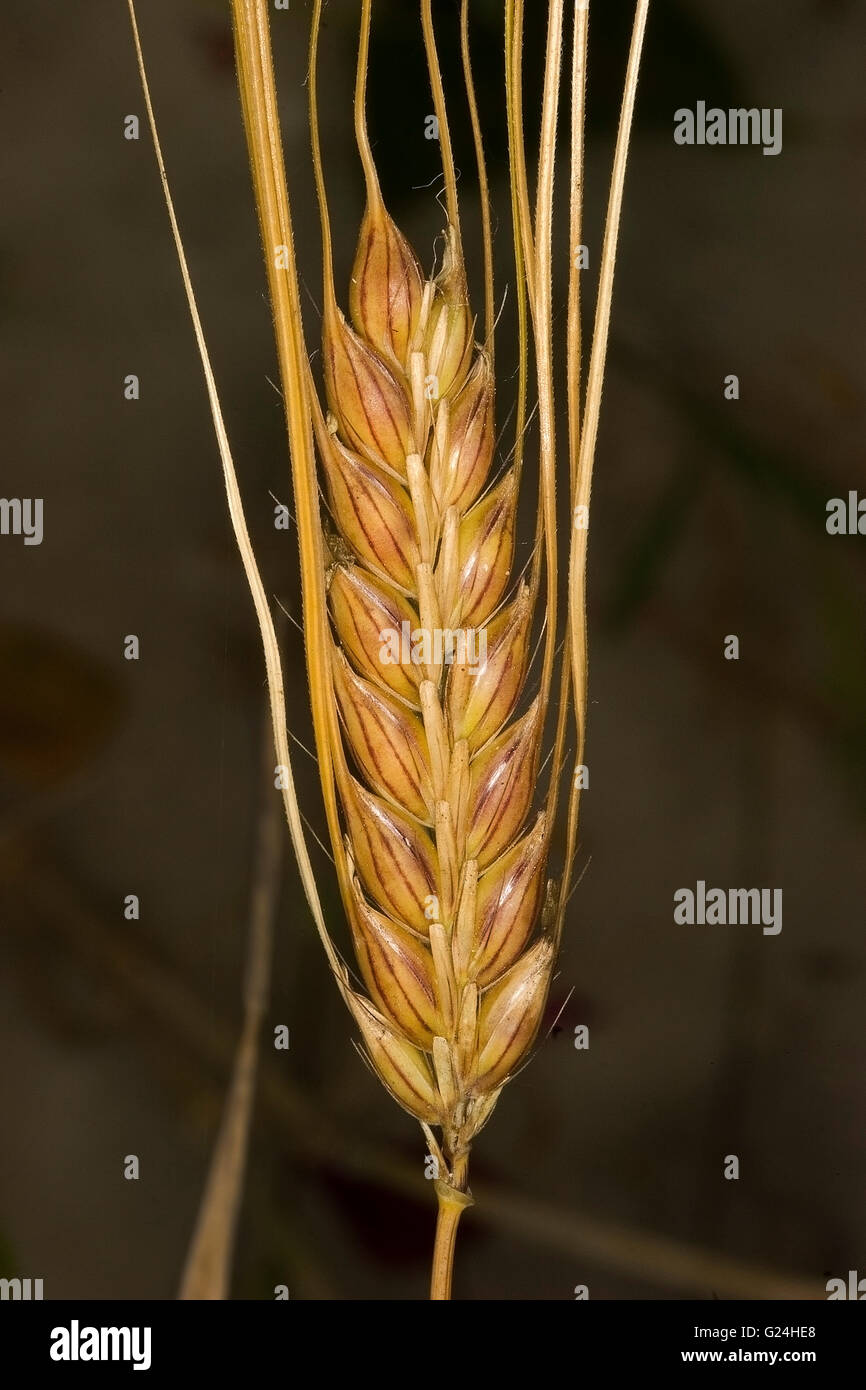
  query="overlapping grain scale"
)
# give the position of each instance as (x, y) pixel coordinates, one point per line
(430, 654)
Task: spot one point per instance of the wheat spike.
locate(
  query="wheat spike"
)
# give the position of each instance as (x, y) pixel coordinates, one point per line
(429, 653)
(429, 661)
(417, 631)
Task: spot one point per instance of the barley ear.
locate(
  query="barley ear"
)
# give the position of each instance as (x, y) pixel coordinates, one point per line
(429, 759)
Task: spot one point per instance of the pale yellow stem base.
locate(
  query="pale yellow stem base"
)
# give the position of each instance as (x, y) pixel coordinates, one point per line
(453, 1201)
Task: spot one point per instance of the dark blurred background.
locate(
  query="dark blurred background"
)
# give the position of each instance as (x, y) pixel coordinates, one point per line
(602, 1167)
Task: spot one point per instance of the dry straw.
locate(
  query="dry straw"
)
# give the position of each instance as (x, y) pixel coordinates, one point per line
(418, 631)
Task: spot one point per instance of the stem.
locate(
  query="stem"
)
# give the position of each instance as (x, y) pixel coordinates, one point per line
(207, 1271)
(453, 1200)
(443, 1250)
